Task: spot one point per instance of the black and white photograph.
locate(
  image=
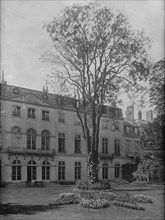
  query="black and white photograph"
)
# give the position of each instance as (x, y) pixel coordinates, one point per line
(82, 110)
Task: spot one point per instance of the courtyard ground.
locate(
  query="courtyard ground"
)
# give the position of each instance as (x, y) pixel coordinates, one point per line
(21, 203)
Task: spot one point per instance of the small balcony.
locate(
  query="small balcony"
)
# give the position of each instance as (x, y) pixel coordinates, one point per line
(22, 150)
(106, 156)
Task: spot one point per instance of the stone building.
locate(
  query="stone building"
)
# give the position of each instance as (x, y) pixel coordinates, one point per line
(41, 138)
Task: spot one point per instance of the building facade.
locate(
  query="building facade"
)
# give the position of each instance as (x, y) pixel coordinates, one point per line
(41, 138)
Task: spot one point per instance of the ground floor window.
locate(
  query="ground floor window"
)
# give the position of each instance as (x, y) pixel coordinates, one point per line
(117, 170)
(16, 170)
(77, 170)
(61, 170)
(105, 171)
(31, 170)
(45, 170)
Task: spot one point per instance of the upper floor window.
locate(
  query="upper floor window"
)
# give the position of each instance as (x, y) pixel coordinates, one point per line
(16, 111)
(16, 136)
(117, 147)
(105, 124)
(61, 142)
(31, 139)
(31, 113)
(45, 115)
(61, 118)
(127, 146)
(77, 120)
(105, 145)
(136, 130)
(117, 126)
(45, 140)
(77, 142)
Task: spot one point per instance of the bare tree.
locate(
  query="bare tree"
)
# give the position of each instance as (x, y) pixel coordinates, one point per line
(96, 53)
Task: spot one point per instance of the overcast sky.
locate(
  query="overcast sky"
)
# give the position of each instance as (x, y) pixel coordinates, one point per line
(23, 39)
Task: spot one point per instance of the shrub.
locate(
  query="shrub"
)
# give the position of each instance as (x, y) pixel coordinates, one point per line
(86, 185)
(94, 203)
(127, 197)
(120, 181)
(142, 199)
(97, 194)
(66, 198)
(128, 205)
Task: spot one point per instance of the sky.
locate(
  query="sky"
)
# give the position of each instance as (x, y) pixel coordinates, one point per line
(23, 39)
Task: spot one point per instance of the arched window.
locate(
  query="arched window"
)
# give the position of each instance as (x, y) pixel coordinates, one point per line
(61, 170)
(105, 171)
(45, 170)
(77, 170)
(15, 136)
(16, 170)
(31, 139)
(45, 140)
(31, 170)
(117, 170)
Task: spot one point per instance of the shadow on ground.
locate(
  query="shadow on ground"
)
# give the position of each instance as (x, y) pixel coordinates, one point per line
(11, 208)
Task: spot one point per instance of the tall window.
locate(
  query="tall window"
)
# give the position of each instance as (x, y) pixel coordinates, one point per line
(45, 140)
(31, 113)
(16, 111)
(77, 142)
(117, 147)
(105, 171)
(45, 115)
(61, 117)
(31, 139)
(61, 170)
(105, 145)
(61, 142)
(128, 146)
(117, 170)
(136, 130)
(77, 170)
(45, 170)
(16, 136)
(16, 170)
(117, 126)
(31, 170)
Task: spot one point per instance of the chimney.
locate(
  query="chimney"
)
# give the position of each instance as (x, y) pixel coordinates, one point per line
(130, 113)
(139, 115)
(149, 116)
(2, 79)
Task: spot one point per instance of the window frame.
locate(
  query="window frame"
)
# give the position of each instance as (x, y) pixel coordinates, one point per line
(45, 115)
(31, 115)
(61, 170)
(33, 137)
(105, 171)
(61, 142)
(77, 170)
(77, 144)
(117, 147)
(104, 145)
(15, 112)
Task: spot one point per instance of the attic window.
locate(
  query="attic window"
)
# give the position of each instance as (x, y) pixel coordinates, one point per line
(45, 96)
(15, 91)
